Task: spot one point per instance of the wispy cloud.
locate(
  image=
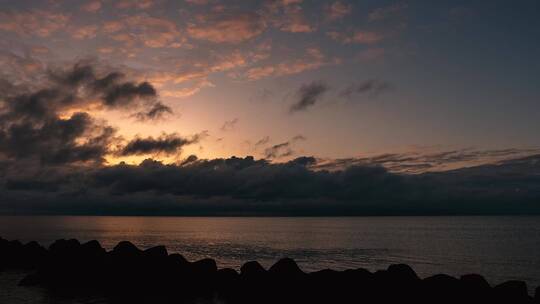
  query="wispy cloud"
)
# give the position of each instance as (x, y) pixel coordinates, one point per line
(338, 10)
(229, 125)
(308, 95)
(227, 28)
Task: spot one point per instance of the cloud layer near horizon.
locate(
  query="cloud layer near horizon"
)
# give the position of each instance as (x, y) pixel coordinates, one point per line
(245, 186)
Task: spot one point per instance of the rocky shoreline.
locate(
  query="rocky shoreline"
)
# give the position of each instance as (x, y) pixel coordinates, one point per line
(128, 274)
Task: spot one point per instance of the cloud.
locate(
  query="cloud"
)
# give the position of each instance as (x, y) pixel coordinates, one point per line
(84, 32)
(383, 13)
(280, 150)
(91, 6)
(166, 144)
(146, 30)
(141, 4)
(229, 125)
(156, 112)
(287, 16)
(248, 186)
(311, 60)
(227, 28)
(197, 2)
(372, 87)
(41, 23)
(263, 141)
(308, 95)
(358, 36)
(299, 138)
(337, 10)
(48, 121)
(424, 160)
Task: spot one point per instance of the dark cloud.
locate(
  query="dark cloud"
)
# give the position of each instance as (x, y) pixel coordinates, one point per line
(156, 112)
(124, 93)
(299, 137)
(279, 150)
(36, 122)
(308, 95)
(166, 144)
(419, 162)
(229, 124)
(249, 186)
(372, 87)
(190, 159)
(263, 141)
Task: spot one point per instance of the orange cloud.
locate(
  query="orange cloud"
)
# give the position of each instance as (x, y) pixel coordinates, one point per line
(313, 59)
(362, 37)
(37, 22)
(338, 10)
(92, 6)
(288, 16)
(233, 28)
(85, 32)
(150, 31)
(140, 4)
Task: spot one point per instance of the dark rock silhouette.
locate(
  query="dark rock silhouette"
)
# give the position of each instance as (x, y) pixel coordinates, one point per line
(127, 274)
(252, 270)
(286, 268)
(512, 291)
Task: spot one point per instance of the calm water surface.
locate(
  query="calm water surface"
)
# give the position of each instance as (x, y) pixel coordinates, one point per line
(500, 248)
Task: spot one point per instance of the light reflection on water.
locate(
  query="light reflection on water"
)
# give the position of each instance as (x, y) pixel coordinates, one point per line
(500, 248)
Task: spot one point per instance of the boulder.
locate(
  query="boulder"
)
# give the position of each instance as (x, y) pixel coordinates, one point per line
(204, 267)
(227, 275)
(402, 273)
(286, 268)
(476, 288)
(252, 270)
(125, 249)
(65, 247)
(92, 248)
(157, 252)
(475, 281)
(32, 279)
(512, 291)
(33, 255)
(441, 288)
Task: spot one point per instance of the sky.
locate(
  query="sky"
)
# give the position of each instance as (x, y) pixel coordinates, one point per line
(310, 91)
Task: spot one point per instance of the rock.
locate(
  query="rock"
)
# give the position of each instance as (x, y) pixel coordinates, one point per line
(402, 273)
(92, 248)
(252, 270)
(325, 275)
(33, 255)
(441, 288)
(65, 247)
(475, 281)
(32, 279)
(227, 275)
(286, 268)
(476, 288)
(125, 249)
(157, 252)
(512, 291)
(177, 260)
(204, 267)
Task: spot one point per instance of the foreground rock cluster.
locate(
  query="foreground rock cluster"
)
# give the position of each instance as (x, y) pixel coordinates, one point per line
(128, 274)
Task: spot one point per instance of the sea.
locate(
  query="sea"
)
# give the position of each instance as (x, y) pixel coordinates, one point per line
(500, 248)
